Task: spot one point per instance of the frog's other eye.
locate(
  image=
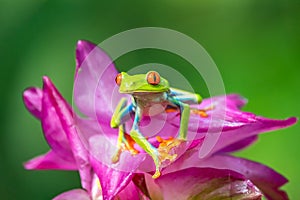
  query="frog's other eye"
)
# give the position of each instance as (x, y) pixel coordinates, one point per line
(118, 79)
(153, 78)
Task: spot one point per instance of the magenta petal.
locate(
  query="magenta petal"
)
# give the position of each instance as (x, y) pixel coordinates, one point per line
(112, 181)
(206, 183)
(102, 147)
(113, 177)
(95, 82)
(50, 161)
(265, 178)
(257, 126)
(83, 49)
(139, 181)
(32, 98)
(59, 112)
(232, 127)
(52, 121)
(131, 192)
(232, 119)
(239, 145)
(76, 194)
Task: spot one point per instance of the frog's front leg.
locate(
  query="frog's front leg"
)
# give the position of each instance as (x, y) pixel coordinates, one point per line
(143, 142)
(121, 113)
(189, 98)
(184, 116)
(185, 96)
(120, 116)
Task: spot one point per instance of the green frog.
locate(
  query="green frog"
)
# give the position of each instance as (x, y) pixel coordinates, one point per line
(151, 95)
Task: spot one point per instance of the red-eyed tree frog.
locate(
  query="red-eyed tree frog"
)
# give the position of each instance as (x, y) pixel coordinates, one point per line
(148, 90)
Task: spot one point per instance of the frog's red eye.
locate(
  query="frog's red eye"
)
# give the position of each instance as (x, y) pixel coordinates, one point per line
(118, 79)
(153, 78)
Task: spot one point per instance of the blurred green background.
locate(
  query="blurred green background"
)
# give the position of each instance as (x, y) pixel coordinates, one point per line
(255, 44)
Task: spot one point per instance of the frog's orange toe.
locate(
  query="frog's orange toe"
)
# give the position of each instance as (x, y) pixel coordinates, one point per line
(165, 146)
(156, 175)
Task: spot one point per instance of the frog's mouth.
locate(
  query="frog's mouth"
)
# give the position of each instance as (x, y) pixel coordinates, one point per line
(144, 91)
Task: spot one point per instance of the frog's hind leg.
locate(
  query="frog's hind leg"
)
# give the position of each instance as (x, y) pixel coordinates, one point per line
(125, 143)
(138, 137)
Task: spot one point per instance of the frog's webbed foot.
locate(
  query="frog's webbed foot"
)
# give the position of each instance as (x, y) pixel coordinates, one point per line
(126, 145)
(165, 146)
(163, 150)
(202, 112)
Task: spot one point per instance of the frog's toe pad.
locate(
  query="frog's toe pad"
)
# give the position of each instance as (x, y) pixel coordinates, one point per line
(156, 174)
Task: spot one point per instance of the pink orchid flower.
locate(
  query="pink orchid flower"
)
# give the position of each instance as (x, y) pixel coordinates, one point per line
(88, 143)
